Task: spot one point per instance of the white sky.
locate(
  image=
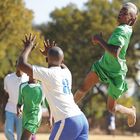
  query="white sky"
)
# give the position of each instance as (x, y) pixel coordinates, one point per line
(42, 8)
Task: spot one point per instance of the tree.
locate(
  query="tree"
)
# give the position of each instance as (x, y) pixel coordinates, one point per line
(15, 21)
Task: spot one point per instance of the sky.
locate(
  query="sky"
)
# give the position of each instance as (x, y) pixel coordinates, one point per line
(42, 8)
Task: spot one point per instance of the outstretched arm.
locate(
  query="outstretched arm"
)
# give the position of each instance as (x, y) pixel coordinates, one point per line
(29, 44)
(114, 50)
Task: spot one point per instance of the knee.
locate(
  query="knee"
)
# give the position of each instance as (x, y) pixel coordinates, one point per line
(6, 131)
(111, 109)
(9, 134)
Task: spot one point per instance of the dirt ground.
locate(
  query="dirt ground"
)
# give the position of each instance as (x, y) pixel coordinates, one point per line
(91, 137)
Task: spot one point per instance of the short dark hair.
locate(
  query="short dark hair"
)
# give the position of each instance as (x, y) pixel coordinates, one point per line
(55, 52)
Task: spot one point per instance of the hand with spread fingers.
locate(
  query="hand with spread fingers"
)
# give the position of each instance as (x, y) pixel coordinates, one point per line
(29, 41)
(47, 46)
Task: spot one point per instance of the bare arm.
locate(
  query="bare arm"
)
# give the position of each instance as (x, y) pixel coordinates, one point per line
(6, 94)
(4, 99)
(23, 58)
(50, 118)
(112, 49)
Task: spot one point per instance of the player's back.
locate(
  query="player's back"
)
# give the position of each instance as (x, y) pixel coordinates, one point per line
(32, 96)
(56, 83)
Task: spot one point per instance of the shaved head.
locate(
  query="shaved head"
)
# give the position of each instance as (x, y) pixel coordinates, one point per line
(55, 56)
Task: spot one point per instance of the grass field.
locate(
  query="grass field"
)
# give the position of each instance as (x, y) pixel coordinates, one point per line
(91, 137)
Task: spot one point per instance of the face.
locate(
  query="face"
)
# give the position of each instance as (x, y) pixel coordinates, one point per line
(127, 16)
(124, 16)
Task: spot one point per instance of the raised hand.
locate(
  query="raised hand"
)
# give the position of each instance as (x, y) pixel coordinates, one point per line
(96, 38)
(47, 46)
(29, 41)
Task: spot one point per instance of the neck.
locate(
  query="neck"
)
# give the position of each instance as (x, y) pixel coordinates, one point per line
(32, 81)
(52, 65)
(18, 74)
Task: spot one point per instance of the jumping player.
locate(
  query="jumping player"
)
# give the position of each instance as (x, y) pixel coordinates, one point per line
(112, 68)
(70, 123)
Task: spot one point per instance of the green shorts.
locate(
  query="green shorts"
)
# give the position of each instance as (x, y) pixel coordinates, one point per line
(31, 122)
(30, 127)
(117, 84)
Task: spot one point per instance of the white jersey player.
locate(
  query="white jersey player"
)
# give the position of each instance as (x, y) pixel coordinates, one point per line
(70, 122)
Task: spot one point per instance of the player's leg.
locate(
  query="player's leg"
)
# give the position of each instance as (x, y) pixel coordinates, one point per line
(85, 131)
(26, 135)
(33, 137)
(9, 125)
(90, 80)
(82, 137)
(57, 130)
(69, 129)
(18, 127)
(130, 112)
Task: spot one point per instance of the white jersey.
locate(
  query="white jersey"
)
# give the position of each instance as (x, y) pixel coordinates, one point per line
(56, 85)
(11, 86)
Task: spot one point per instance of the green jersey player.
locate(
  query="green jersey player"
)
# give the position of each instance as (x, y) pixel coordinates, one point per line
(111, 68)
(31, 97)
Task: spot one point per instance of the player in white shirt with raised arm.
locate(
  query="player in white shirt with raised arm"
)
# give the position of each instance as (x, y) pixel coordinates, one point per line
(70, 122)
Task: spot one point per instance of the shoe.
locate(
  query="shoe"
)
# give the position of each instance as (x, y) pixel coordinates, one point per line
(131, 120)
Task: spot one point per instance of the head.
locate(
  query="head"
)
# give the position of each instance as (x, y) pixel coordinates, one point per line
(55, 56)
(128, 14)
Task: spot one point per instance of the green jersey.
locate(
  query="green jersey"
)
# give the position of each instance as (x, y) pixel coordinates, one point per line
(31, 98)
(113, 70)
(120, 37)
